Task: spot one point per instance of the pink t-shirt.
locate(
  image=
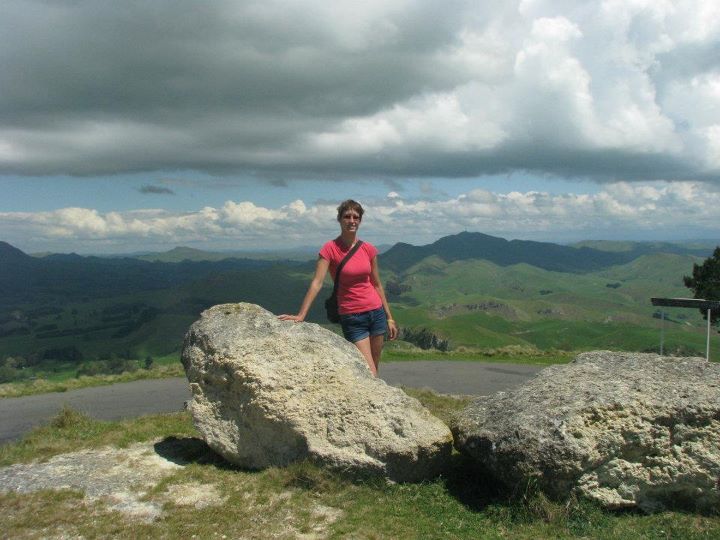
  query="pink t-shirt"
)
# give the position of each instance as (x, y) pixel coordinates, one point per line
(356, 292)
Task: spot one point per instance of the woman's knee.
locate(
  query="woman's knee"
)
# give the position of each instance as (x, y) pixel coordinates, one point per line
(365, 347)
(376, 346)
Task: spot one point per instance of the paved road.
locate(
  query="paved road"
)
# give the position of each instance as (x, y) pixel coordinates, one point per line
(127, 400)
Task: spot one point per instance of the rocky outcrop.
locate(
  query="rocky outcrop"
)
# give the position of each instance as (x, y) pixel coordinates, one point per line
(269, 392)
(625, 430)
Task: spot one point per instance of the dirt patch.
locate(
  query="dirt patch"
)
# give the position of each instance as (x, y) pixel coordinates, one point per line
(119, 478)
(194, 494)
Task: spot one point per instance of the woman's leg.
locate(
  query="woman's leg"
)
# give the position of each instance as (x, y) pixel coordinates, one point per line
(371, 348)
(376, 347)
(365, 347)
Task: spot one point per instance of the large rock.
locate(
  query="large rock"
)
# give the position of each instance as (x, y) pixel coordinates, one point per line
(626, 430)
(269, 392)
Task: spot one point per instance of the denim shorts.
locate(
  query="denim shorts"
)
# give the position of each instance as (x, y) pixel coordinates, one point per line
(357, 326)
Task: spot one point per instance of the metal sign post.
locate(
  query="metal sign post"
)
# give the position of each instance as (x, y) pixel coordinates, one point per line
(707, 345)
(696, 303)
(662, 331)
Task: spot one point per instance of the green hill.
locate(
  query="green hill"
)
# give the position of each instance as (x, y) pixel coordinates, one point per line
(73, 308)
(700, 248)
(583, 257)
(481, 304)
(468, 246)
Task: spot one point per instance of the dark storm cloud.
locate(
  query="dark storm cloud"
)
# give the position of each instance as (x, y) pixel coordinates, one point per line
(155, 190)
(292, 89)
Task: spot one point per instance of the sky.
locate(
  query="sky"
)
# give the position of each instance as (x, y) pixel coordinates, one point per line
(240, 125)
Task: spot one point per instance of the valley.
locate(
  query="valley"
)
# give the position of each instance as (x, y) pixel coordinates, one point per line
(67, 315)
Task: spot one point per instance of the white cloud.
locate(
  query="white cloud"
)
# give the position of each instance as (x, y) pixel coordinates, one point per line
(631, 208)
(436, 122)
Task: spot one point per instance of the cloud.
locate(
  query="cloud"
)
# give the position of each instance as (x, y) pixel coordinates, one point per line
(605, 89)
(155, 190)
(621, 209)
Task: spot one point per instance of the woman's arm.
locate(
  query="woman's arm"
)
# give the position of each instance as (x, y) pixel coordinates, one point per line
(375, 277)
(315, 285)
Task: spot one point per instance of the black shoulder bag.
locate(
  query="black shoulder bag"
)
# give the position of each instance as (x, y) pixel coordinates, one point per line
(331, 306)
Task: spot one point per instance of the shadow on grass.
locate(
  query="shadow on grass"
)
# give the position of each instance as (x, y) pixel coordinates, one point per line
(479, 492)
(188, 450)
(476, 489)
(302, 474)
(470, 485)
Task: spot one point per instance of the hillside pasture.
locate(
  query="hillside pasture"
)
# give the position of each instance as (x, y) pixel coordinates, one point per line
(471, 304)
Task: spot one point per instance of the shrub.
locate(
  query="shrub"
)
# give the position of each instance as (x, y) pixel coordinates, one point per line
(424, 338)
(118, 365)
(92, 368)
(8, 373)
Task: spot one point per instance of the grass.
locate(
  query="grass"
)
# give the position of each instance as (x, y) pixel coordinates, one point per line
(71, 430)
(442, 406)
(42, 386)
(510, 354)
(305, 500)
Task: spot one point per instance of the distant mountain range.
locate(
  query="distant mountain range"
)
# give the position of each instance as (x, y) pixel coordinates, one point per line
(545, 255)
(690, 247)
(183, 253)
(25, 277)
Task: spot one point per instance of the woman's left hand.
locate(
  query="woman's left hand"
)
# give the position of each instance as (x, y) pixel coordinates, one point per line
(296, 318)
(392, 330)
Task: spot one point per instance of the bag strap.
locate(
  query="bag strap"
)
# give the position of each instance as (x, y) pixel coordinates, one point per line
(342, 263)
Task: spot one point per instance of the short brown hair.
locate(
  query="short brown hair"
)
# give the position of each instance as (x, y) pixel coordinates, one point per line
(349, 205)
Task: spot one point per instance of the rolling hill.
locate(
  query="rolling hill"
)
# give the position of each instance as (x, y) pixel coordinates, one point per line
(521, 304)
(468, 245)
(472, 289)
(26, 279)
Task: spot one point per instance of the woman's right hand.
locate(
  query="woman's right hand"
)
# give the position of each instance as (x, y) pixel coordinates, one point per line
(296, 318)
(321, 269)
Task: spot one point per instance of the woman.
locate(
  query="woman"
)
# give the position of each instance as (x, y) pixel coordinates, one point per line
(364, 311)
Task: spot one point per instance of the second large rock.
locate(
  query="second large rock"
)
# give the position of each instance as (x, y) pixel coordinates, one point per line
(623, 429)
(269, 392)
